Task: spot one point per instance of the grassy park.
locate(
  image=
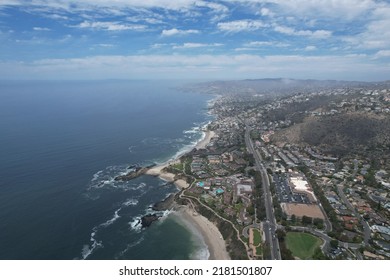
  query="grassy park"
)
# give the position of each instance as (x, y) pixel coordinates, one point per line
(302, 245)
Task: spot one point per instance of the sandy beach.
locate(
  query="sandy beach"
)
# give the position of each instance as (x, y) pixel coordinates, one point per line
(170, 177)
(212, 237)
(166, 176)
(206, 140)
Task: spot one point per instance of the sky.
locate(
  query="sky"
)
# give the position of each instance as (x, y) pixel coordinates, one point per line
(187, 39)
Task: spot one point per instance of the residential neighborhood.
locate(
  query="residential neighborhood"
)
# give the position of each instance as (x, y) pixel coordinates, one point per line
(337, 193)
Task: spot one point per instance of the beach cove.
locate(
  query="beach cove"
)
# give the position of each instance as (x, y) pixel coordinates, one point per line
(187, 215)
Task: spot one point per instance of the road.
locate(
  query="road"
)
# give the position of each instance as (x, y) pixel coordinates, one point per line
(270, 225)
(366, 227)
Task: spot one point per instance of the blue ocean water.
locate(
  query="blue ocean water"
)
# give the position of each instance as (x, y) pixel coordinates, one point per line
(61, 145)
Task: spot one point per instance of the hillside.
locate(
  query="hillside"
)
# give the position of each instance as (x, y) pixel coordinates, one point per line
(339, 134)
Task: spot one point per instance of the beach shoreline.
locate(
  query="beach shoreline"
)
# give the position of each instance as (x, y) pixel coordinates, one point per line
(210, 233)
(159, 171)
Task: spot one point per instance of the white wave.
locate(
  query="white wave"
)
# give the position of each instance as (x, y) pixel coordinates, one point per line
(96, 175)
(87, 249)
(103, 178)
(194, 129)
(129, 246)
(136, 224)
(131, 149)
(165, 215)
(106, 179)
(202, 253)
(140, 186)
(108, 182)
(130, 202)
(112, 220)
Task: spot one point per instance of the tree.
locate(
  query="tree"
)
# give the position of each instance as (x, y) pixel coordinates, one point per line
(334, 243)
(307, 220)
(319, 223)
(251, 210)
(281, 234)
(293, 219)
(318, 255)
(252, 173)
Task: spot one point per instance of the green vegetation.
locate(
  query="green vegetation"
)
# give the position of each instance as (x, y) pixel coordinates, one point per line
(235, 247)
(178, 166)
(259, 251)
(256, 237)
(258, 196)
(284, 251)
(302, 245)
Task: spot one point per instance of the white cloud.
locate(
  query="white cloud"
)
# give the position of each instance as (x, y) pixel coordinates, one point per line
(41, 29)
(150, 20)
(265, 12)
(376, 34)
(382, 53)
(158, 46)
(317, 34)
(310, 48)
(241, 25)
(255, 44)
(74, 5)
(175, 31)
(341, 9)
(57, 17)
(105, 45)
(196, 45)
(213, 6)
(110, 26)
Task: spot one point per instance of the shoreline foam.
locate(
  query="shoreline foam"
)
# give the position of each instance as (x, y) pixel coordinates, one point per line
(199, 224)
(158, 170)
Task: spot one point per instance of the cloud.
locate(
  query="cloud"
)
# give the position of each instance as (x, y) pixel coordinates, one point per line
(241, 25)
(265, 12)
(196, 45)
(41, 29)
(143, 18)
(77, 5)
(199, 66)
(110, 26)
(310, 48)
(382, 54)
(216, 7)
(376, 33)
(175, 31)
(317, 34)
(342, 9)
(102, 45)
(256, 44)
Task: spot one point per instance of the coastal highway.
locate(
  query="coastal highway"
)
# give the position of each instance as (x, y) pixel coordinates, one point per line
(270, 225)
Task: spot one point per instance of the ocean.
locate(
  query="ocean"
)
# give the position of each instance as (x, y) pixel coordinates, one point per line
(62, 144)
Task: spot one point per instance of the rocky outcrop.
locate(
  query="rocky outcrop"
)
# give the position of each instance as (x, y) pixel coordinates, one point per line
(147, 220)
(165, 204)
(134, 173)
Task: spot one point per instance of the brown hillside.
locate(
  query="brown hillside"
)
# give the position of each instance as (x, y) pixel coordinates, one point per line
(339, 134)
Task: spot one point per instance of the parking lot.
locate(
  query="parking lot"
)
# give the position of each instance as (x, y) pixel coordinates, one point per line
(284, 192)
